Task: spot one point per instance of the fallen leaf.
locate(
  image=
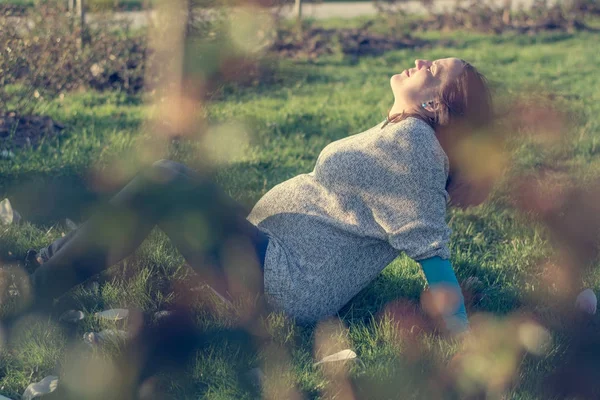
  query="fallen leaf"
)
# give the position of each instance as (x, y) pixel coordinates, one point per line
(41, 388)
(116, 314)
(343, 355)
(7, 214)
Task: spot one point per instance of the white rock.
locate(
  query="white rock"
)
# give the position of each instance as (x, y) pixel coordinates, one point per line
(586, 301)
(116, 314)
(72, 316)
(107, 335)
(41, 388)
(343, 355)
(4, 398)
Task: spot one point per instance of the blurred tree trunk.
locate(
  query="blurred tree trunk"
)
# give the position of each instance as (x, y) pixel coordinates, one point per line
(298, 10)
(80, 20)
(506, 13)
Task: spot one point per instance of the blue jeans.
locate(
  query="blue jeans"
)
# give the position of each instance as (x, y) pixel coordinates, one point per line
(202, 221)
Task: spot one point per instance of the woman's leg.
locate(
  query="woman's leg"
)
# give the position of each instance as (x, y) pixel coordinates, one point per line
(202, 221)
(44, 254)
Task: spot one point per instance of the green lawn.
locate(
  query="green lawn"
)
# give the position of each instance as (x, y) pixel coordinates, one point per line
(289, 123)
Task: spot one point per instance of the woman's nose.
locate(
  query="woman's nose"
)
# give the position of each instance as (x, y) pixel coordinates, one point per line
(421, 63)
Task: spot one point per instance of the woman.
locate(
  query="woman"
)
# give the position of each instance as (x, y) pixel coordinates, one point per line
(314, 241)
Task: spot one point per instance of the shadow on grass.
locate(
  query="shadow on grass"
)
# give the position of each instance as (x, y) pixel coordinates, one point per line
(43, 198)
(389, 288)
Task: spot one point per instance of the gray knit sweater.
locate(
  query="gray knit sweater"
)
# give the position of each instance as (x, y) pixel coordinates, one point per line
(370, 197)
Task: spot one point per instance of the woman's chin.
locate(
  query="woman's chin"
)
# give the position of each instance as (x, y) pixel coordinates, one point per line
(396, 82)
(397, 78)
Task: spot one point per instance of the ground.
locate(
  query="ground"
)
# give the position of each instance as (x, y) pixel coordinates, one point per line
(289, 123)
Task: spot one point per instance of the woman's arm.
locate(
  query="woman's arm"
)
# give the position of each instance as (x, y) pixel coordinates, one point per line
(439, 272)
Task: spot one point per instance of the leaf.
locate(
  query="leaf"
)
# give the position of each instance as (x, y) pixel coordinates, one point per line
(41, 388)
(343, 355)
(6, 212)
(116, 314)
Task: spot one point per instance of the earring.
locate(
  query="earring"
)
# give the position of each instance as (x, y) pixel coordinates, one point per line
(429, 103)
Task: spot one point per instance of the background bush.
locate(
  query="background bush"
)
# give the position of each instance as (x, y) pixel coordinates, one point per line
(43, 56)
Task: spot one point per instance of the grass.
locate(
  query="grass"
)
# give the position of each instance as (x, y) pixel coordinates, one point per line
(313, 104)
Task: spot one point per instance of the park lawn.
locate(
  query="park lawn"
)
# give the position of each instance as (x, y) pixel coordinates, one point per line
(289, 122)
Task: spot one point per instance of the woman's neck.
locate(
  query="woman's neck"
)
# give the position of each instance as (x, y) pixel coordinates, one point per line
(396, 109)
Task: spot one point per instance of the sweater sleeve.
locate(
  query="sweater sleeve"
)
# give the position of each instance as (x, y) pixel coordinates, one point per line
(414, 211)
(439, 272)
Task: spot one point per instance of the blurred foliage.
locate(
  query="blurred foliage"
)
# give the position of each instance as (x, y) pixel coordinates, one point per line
(522, 345)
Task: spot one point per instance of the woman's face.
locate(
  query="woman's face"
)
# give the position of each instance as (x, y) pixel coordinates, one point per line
(421, 84)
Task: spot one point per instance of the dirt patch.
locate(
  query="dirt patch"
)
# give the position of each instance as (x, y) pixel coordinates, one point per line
(23, 131)
(13, 10)
(315, 42)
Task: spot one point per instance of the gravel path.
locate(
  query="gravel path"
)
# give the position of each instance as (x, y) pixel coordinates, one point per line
(330, 10)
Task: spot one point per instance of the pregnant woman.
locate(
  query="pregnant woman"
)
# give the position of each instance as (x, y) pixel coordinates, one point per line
(313, 242)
